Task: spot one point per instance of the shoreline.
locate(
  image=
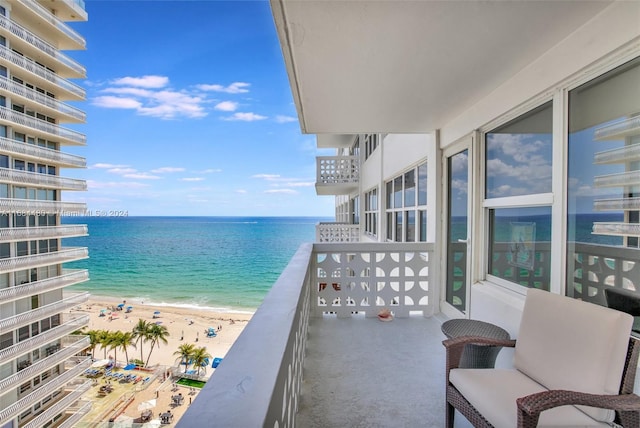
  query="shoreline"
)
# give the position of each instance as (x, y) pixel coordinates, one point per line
(185, 324)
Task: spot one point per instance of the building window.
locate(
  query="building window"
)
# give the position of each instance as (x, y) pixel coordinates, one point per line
(518, 163)
(371, 212)
(407, 206)
(370, 144)
(603, 184)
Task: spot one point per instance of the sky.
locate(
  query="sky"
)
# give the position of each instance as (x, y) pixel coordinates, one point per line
(190, 112)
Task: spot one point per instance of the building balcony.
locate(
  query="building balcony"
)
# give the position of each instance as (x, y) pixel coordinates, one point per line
(33, 46)
(10, 234)
(41, 128)
(44, 338)
(337, 175)
(357, 370)
(337, 232)
(52, 25)
(44, 259)
(18, 177)
(39, 154)
(68, 278)
(65, 353)
(31, 206)
(26, 318)
(43, 103)
(40, 76)
(48, 388)
(67, 404)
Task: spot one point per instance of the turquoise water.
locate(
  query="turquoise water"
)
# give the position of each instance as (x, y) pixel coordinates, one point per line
(223, 263)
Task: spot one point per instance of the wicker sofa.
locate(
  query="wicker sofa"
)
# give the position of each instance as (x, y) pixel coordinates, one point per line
(574, 365)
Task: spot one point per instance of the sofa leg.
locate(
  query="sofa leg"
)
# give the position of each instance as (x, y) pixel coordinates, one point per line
(449, 416)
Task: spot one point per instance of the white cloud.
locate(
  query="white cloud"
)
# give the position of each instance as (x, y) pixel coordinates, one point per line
(116, 102)
(142, 176)
(167, 169)
(91, 184)
(301, 184)
(211, 171)
(192, 179)
(234, 88)
(122, 170)
(282, 191)
(226, 106)
(108, 165)
(268, 177)
(241, 191)
(245, 117)
(286, 119)
(143, 81)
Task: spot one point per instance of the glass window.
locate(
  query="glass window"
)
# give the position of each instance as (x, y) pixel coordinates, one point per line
(410, 188)
(520, 245)
(390, 194)
(603, 193)
(410, 235)
(422, 184)
(518, 155)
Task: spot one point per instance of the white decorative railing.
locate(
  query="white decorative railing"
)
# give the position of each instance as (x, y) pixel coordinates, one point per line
(42, 232)
(26, 318)
(62, 405)
(54, 21)
(337, 232)
(630, 178)
(43, 46)
(31, 206)
(41, 153)
(615, 131)
(44, 259)
(277, 331)
(36, 69)
(37, 287)
(44, 338)
(15, 176)
(620, 155)
(40, 393)
(75, 415)
(33, 95)
(617, 204)
(337, 170)
(57, 132)
(43, 365)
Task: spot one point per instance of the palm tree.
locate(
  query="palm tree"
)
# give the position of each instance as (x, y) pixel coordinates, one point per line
(141, 333)
(185, 354)
(94, 341)
(201, 358)
(114, 341)
(127, 339)
(157, 333)
(103, 340)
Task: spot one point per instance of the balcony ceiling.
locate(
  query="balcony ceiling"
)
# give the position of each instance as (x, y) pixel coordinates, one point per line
(410, 66)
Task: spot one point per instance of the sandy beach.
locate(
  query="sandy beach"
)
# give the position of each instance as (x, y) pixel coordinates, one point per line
(185, 325)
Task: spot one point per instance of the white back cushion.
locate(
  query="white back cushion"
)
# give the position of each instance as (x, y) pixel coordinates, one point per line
(566, 343)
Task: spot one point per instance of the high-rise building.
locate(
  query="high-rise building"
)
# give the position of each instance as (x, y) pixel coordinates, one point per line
(39, 362)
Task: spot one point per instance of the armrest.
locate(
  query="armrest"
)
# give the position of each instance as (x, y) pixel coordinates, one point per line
(455, 346)
(530, 407)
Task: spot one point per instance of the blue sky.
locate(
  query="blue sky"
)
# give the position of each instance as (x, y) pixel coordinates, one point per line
(189, 112)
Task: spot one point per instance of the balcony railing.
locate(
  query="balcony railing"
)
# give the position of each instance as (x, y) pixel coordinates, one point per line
(79, 389)
(337, 175)
(44, 259)
(40, 393)
(337, 232)
(42, 46)
(320, 279)
(15, 176)
(32, 207)
(55, 132)
(44, 364)
(75, 415)
(26, 318)
(44, 100)
(8, 234)
(55, 22)
(44, 338)
(11, 294)
(41, 72)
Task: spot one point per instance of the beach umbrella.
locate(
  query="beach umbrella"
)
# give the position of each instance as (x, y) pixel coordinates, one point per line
(121, 305)
(147, 405)
(100, 363)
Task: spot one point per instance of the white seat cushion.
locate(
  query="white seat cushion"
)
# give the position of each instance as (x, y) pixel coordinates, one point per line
(493, 392)
(569, 344)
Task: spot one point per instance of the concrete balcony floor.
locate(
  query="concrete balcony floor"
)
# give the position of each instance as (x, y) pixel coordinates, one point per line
(365, 373)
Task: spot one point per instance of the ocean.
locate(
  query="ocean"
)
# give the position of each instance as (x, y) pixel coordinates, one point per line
(221, 263)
